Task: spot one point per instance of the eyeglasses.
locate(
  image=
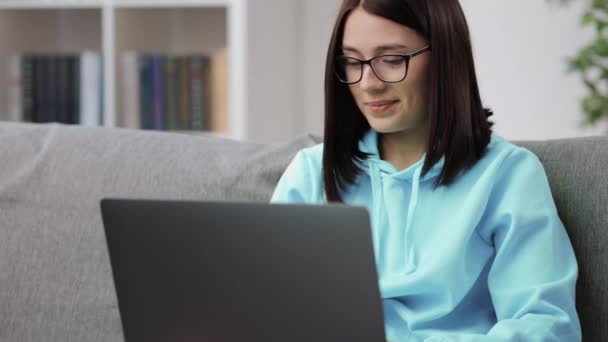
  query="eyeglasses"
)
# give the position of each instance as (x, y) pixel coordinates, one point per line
(388, 68)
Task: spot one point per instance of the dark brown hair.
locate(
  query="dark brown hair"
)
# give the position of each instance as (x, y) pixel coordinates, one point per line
(458, 123)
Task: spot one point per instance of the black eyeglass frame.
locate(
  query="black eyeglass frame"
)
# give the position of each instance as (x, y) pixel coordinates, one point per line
(406, 57)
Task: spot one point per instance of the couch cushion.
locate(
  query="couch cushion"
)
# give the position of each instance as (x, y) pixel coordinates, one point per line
(578, 174)
(55, 276)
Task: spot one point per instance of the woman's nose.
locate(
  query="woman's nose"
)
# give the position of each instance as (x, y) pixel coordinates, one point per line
(369, 80)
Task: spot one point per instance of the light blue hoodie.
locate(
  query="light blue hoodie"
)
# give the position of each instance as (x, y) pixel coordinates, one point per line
(483, 259)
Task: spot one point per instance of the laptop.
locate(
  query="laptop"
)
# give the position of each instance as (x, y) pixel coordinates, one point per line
(230, 272)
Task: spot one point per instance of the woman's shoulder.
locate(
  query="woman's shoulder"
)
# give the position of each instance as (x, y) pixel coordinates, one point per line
(314, 152)
(301, 181)
(507, 161)
(501, 150)
(313, 155)
(306, 164)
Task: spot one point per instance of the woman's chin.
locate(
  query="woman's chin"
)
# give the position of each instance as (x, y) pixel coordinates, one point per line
(384, 125)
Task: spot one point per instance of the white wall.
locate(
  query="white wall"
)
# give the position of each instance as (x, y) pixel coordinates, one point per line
(287, 44)
(317, 19)
(520, 48)
(272, 32)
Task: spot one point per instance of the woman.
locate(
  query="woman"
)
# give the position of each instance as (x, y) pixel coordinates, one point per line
(467, 240)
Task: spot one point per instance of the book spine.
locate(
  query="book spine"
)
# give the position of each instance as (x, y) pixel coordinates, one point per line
(39, 99)
(184, 93)
(206, 93)
(196, 93)
(61, 84)
(15, 88)
(89, 76)
(27, 78)
(130, 100)
(145, 78)
(51, 91)
(101, 92)
(171, 91)
(75, 87)
(157, 92)
(218, 112)
(4, 88)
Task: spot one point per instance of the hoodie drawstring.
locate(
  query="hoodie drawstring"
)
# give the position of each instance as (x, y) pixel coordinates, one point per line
(378, 214)
(411, 257)
(377, 195)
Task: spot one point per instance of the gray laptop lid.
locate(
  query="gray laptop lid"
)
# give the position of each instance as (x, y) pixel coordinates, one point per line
(223, 272)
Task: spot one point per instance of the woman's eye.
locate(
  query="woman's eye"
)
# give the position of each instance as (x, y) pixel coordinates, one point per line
(392, 60)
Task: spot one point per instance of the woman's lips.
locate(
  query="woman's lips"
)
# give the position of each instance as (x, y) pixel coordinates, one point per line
(380, 106)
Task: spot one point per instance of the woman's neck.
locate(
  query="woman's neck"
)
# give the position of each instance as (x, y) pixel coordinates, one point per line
(402, 149)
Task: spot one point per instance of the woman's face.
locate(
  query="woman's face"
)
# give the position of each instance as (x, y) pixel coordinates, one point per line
(388, 107)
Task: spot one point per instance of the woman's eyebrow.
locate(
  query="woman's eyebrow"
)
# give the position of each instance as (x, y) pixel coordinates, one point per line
(380, 48)
(396, 46)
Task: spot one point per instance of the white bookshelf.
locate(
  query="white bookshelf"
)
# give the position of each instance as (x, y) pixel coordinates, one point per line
(108, 43)
(48, 4)
(171, 3)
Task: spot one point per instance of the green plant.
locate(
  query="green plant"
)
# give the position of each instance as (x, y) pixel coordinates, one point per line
(591, 61)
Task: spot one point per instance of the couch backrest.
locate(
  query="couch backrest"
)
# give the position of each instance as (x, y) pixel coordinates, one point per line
(578, 174)
(55, 277)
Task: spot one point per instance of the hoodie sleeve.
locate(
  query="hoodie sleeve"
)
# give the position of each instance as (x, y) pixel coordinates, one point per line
(533, 276)
(300, 183)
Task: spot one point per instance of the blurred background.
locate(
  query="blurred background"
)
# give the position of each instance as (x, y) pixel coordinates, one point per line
(254, 69)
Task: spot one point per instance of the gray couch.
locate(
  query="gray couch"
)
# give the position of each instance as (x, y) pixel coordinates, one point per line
(55, 276)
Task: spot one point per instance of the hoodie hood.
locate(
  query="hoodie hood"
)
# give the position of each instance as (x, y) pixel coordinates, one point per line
(369, 144)
(378, 170)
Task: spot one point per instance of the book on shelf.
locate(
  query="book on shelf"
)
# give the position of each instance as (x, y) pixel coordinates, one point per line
(158, 91)
(197, 100)
(145, 93)
(10, 84)
(130, 90)
(218, 120)
(64, 88)
(25, 96)
(90, 92)
(4, 82)
(172, 91)
(171, 105)
(184, 95)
